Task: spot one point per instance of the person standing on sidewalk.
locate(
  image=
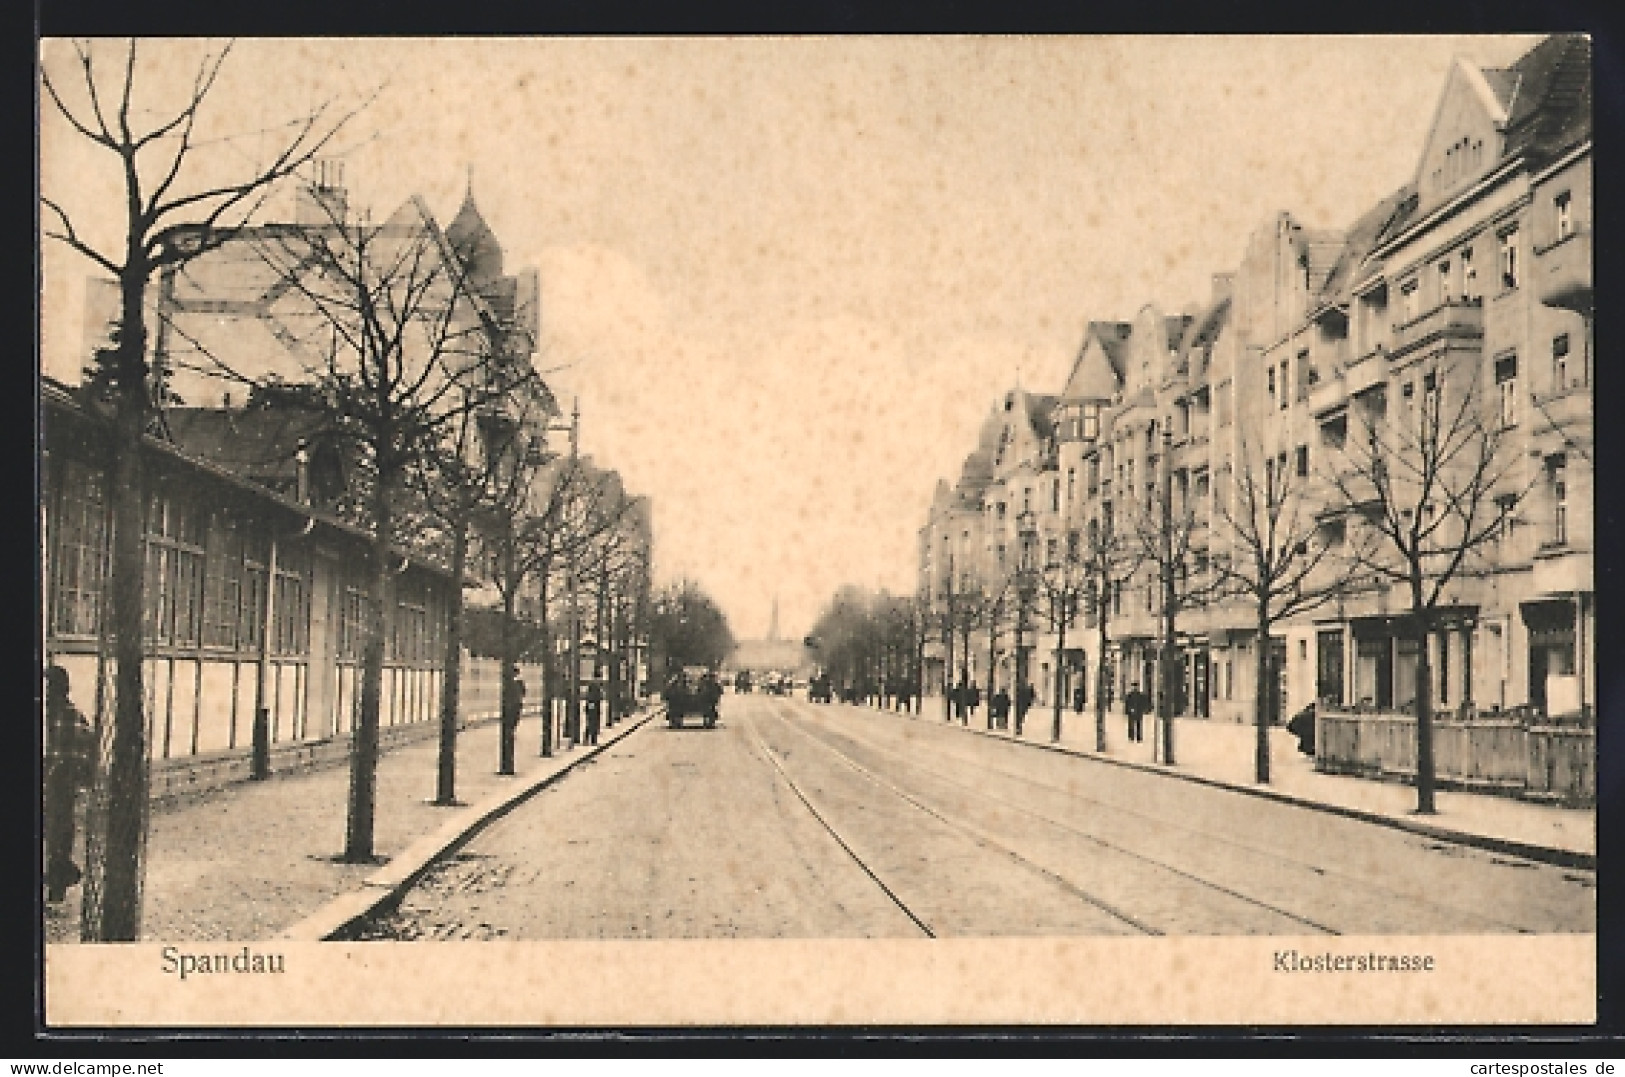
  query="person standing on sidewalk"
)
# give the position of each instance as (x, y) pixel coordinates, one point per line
(1135, 704)
(68, 747)
(595, 707)
(998, 708)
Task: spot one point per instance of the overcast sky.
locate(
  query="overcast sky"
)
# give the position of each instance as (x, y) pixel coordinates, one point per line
(788, 278)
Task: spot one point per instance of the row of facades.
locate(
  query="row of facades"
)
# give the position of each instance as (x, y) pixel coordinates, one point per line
(256, 569)
(1479, 268)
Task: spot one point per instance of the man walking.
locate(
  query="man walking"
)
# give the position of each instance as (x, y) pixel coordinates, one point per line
(1135, 704)
(68, 754)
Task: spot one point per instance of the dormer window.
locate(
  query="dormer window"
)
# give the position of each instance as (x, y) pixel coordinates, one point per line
(1091, 421)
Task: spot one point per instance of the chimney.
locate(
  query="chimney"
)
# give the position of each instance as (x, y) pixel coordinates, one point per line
(1224, 287)
(324, 201)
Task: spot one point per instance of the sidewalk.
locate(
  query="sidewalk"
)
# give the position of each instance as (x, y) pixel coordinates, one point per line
(1222, 753)
(249, 861)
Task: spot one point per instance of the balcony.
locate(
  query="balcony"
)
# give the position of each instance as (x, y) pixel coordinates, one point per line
(1368, 370)
(1328, 395)
(1560, 570)
(1455, 322)
(1564, 270)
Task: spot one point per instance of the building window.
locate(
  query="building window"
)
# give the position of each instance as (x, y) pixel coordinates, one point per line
(1509, 258)
(80, 564)
(1091, 421)
(1270, 379)
(1303, 461)
(1286, 396)
(1055, 493)
(1469, 275)
(1071, 485)
(1000, 510)
(1026, 499)
(1506, 388)
(174, 572)
(1560, 363)
(1444, 281)
(1410, 300)
(1564, 212)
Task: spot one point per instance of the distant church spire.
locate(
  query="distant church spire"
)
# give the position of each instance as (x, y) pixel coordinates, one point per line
(773, 621)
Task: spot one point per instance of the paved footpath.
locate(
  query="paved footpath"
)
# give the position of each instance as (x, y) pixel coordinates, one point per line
(249, 861)
(1222, 752)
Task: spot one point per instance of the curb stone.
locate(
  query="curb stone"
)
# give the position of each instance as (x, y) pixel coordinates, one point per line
(1546, 854)
(385, 887)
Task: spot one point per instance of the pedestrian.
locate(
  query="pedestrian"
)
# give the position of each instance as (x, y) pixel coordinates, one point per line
(710, 695)
(1024, 702)
(1135, 704)
(974, 700)
(1078, 698)
(595, 707)
(999, 708)
(69, 748)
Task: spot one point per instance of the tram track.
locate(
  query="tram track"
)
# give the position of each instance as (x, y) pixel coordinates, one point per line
(786, 715)
(1209, 836)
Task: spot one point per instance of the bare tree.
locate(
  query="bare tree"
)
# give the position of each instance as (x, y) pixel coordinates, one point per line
(1432, 483)
(1065, 580)
(401, 355)
(1172, 541)
(167, 222)
(482, 473)
(1109, 560)
(1273, 554)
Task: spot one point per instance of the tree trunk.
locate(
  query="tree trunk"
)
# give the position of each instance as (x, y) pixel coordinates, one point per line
(358, 834)
(451, 682)
(547, 665)
(116, 879)
(508, 646)
(1263, 693)
(1100, 676)
(1060, 666)
(948, 663)
(992, 657)
(1425, 779)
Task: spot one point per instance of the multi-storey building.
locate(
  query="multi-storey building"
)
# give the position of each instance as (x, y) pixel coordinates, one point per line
(255, 583)
(1472, 282)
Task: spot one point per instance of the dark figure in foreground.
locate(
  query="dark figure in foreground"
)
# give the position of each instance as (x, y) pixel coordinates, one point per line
(1135, 705)
(1302, 726)
(68, 753)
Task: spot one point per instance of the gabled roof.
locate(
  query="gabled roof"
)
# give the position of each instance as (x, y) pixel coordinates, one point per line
(1203, 331)
(1097, 373)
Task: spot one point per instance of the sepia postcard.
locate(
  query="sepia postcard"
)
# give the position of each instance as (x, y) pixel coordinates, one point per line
(951, 531)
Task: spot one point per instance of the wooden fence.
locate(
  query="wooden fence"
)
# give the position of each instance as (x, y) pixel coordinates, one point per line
(1540, 762)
